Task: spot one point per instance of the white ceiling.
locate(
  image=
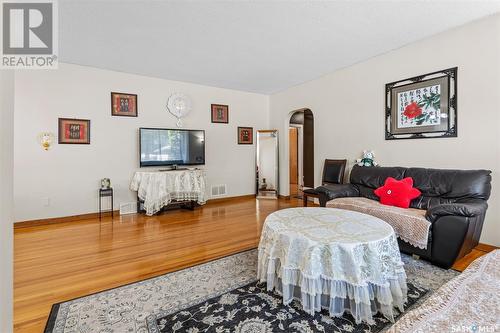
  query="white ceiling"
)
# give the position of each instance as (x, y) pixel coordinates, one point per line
(263, 46)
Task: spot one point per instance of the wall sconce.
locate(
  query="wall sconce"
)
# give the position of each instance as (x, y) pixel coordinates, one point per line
(45, 139)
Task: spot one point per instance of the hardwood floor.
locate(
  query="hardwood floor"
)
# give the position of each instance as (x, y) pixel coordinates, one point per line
(58, 262)
(62, 261)
(462, 263)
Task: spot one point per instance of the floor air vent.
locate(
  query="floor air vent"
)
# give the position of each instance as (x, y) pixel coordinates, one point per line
(218, 190)
(128, 208)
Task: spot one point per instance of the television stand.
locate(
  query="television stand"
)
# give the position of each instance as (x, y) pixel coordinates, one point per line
(157, 190)
(173, 167)
(176, 169)
(174, 204)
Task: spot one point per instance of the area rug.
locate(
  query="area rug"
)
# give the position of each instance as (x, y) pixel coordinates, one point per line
(252, 308)
(130, 308)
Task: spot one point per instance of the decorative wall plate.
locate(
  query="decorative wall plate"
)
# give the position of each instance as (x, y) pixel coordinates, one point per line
(45, 139)
(179, 105)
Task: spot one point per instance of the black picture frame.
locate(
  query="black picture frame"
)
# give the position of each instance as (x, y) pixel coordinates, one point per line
(62, 139)
(214, 108)
(117, 113)
(436, 92)
(245, 140)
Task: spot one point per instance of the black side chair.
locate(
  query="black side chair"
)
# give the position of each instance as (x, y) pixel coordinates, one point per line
(333, 173)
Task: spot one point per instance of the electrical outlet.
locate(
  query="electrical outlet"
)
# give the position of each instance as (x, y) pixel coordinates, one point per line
(46, 201)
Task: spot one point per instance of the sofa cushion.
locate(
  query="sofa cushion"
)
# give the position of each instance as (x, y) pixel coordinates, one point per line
(367, 179)
(440, 186)
(409, 224)
(397, 193)
(374, 177)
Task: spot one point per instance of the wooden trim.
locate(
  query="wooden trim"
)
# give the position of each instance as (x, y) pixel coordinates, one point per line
(286, 197)
(486, 247)
(267, 131)
(238, 197)
(62, 219)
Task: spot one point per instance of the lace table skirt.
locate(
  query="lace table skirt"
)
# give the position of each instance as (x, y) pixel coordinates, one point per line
(317, 256)
(158, 189)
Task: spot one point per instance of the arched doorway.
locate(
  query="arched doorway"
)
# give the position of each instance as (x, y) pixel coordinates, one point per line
(301, 151)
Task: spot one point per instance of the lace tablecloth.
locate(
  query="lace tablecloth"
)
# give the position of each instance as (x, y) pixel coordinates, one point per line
(158, 189)
(335, 259)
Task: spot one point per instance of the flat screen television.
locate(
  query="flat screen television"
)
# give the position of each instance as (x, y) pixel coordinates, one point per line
(163, 146)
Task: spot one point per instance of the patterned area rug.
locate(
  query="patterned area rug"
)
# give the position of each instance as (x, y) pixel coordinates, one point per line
(253, 309)
(125, 309)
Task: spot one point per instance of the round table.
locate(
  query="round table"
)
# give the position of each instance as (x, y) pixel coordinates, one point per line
(333, 259)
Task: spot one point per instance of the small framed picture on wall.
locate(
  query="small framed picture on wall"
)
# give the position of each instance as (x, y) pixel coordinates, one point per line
(74, 131)
(123, 105)
(220, 113)
(245, 135)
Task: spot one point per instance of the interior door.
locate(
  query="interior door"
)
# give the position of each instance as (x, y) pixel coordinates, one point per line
(294, 169)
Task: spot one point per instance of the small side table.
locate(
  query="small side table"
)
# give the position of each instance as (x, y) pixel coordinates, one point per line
(107, 192)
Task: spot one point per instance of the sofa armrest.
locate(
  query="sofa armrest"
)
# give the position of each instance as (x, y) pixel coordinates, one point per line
(332, 191)
(466, 208)
(448, 236)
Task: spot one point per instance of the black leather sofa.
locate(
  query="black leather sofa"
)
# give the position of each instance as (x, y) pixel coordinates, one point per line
(454, 200)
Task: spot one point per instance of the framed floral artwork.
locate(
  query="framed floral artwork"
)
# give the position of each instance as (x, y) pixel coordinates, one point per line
(422, 107)
(124, 105)
(74, 131)
(245, 135)
(220, 113)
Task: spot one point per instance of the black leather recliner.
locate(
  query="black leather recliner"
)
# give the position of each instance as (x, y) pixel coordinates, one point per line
(455, 201)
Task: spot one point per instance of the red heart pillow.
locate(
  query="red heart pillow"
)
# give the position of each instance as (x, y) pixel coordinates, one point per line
(397, 193)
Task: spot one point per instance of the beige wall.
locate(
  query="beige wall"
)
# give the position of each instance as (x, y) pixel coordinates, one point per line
(348, 107)
(6, 176)
(68, 175)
